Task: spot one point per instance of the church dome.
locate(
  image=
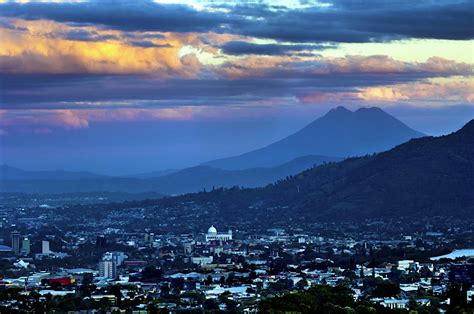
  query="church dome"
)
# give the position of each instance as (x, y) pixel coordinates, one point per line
(212, 229)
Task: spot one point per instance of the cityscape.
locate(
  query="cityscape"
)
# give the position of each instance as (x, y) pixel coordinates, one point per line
(177, 263)
(210, 156)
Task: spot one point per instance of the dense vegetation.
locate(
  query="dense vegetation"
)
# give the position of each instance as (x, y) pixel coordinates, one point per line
(339, 300)
(320, 299)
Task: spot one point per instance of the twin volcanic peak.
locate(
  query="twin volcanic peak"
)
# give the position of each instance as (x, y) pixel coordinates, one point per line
(424, 178)
(341, 133)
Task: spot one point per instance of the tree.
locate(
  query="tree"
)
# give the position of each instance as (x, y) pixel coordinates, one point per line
(177, 284)
(230, 279)
(281, 285)
(87, 279)
(165, 290)
(317, 299)
(151, 273)
(116, 290)
(386, 289)
(210, 305)
(302, 284)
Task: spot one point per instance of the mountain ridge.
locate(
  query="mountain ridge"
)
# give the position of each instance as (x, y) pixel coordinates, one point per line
(187, 180)
(424, 177)
(8, 172)
(340, 132)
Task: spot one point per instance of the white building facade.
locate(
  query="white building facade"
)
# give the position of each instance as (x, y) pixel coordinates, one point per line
(108, 269)
(213, 235)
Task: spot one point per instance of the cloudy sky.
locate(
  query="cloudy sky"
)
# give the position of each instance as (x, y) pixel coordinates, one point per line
(128, 86)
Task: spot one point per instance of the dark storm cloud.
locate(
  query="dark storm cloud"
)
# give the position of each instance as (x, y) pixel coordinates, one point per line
(152, 36)
(123, 15)
(243, 47)
(367, 23)
(85, 35)
(138, 40)
(148, 44)
(83, 92)
(343, 21)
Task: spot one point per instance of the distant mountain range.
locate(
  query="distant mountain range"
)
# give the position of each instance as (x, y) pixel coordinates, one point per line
(425, 177)
(152, 174)
(16, 174)
(204, 177)
(340, 132)
(12, 173)
(183, 181)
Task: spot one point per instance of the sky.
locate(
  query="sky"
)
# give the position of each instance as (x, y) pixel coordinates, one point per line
(118, 87)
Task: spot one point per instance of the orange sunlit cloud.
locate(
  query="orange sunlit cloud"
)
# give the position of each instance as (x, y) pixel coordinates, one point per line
(39, 49)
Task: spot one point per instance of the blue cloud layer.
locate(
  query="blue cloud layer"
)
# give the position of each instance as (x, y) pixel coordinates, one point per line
(343, 21)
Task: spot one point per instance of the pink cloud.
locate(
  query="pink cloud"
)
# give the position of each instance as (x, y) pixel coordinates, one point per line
(44, 121)
(326, 97)
(267, 66)
(445, 91)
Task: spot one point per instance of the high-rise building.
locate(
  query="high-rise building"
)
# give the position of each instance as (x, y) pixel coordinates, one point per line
(45, 247)
(149, 238)
(188, 248)
(116, 256)
(108, 269)
(110, 262)
(15, 235)
(26, 246)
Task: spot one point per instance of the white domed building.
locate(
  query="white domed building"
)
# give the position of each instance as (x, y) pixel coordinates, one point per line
(213, 235)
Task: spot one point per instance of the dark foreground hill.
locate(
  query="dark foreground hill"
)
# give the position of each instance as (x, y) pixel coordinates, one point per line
(340, 132)
(425, 177)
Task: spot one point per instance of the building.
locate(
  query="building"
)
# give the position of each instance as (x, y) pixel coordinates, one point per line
(108, 269)
(470, 295)
(15, 235)
(408, 265)
(26, 246)
(110, 262)
(101, 241)
(202, 260)
(5, 251)
(149, 238)
(395, 304)
(213, 235)
(117, 257)
(462, 274)
(45, 247)
(188, 248)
